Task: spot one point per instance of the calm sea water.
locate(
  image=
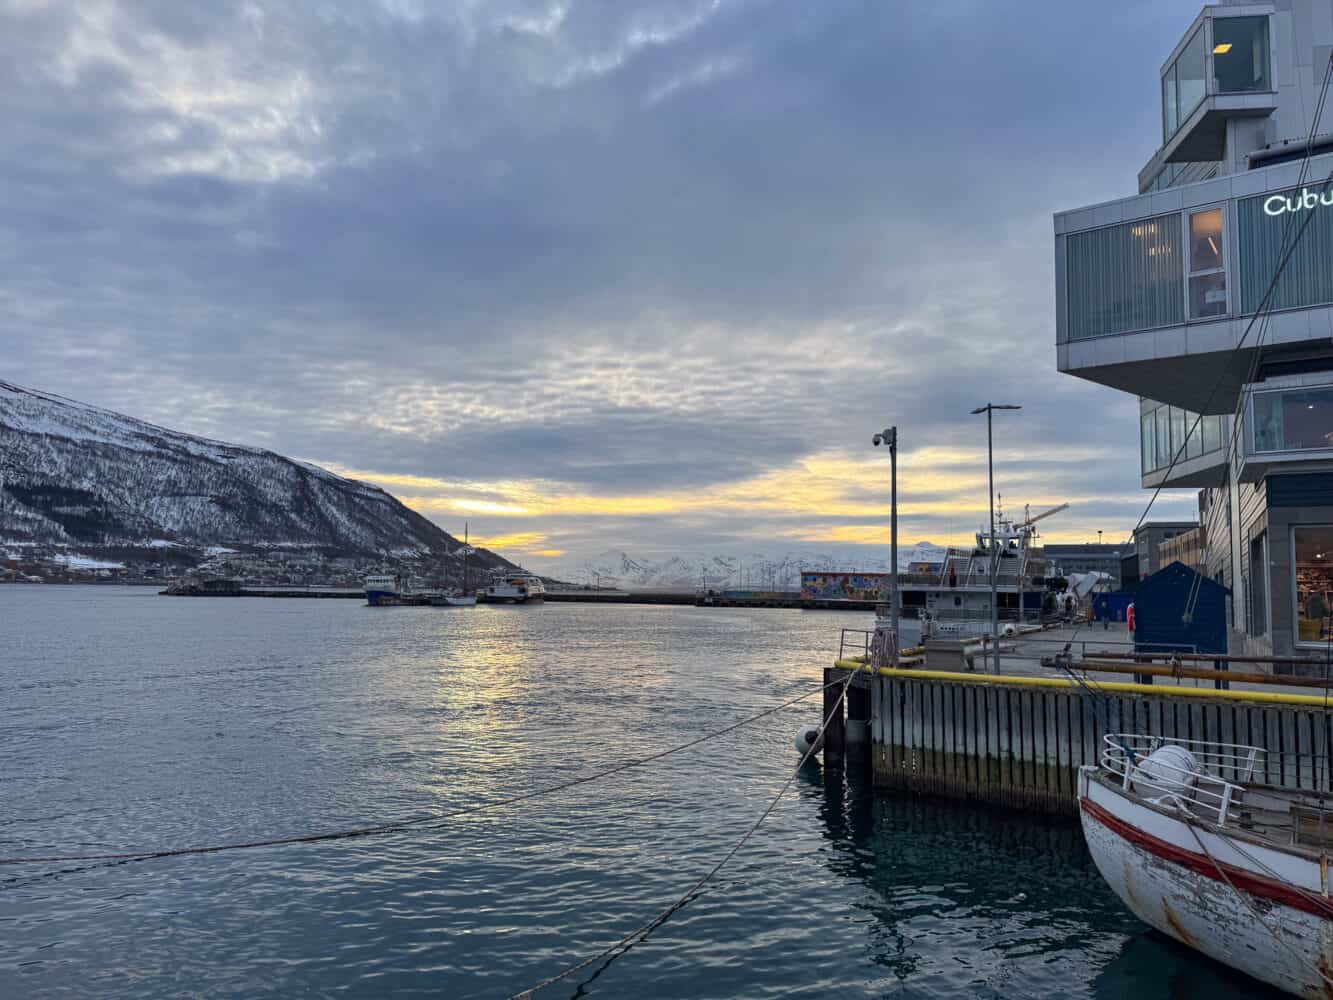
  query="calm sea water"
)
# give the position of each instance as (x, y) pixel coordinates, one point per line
(129, 720)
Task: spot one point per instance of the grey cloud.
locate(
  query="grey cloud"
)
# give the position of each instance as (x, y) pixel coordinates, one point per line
(468, 200)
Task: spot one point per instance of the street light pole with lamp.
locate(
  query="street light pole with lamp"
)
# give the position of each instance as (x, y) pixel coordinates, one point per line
(988, 409)
(889, 437)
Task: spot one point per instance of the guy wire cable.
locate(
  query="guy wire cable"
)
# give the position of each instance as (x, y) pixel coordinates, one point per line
(611, 952)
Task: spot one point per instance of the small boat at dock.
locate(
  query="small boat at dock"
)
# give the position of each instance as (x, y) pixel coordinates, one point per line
(1197, 848)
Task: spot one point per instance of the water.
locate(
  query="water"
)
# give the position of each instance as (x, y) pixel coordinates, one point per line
(129, 720)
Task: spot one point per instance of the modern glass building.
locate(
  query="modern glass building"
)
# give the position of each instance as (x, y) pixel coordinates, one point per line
(1171, 295)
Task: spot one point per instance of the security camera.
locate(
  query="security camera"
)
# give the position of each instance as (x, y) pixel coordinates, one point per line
(878, 439)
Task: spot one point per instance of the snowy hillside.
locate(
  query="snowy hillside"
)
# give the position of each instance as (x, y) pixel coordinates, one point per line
(753, 571)
(78, 476)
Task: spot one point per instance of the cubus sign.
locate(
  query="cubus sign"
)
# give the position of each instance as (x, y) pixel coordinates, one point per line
(1306, 200)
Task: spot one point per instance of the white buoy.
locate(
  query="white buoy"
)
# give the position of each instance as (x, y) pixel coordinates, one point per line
(1010, 630)
(808, 740)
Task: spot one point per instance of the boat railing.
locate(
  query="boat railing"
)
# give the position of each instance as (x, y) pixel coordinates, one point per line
(1208, 783)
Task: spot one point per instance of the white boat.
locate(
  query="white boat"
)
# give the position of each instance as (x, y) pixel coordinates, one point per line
(1198, 849)
(514, 588)
(383, 589)
(454, 600)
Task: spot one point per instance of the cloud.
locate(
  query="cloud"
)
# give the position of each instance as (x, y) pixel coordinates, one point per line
(642, 275)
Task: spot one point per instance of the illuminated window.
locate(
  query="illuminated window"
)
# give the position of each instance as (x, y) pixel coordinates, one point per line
(1314, 582)
(1208, 279)
(1240, 55)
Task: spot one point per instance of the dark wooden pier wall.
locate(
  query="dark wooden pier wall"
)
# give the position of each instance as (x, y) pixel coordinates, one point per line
(1021, 745)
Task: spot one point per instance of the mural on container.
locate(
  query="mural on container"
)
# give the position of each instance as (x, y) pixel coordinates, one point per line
(844, 586)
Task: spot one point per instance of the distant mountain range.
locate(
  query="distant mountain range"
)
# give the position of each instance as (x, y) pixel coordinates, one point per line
(98, 484)
(756, 571)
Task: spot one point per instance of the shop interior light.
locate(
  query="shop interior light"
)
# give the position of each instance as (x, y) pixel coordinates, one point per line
(1213, 245)
(1221, 49)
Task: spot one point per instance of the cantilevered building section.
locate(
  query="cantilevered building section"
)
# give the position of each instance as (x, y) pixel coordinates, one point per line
(1157, 295)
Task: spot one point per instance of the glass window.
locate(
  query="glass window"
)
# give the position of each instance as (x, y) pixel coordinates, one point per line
(1212, 433)
(1194, 432)
(1268, 223)
(1163, 438)
(1206, 240)
(1190, 76)
(1208, 295)
(1170, 117)
(1125, 277)
(1293, 419)
(1178, 428)
(1147, 441)
(1208, 280)
(1314, 582)
(1240, 54)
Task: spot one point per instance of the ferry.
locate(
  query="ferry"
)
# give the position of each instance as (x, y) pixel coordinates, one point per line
(383, 590)
(514, 588)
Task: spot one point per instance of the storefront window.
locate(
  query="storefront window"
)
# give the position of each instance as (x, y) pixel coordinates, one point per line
(1314, 582)
(1240, 55)
(1293, 419)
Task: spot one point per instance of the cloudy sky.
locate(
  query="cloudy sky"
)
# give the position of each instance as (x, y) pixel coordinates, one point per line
(632, 274)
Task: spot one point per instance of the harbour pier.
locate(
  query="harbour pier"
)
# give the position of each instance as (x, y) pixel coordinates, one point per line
(1018, 739)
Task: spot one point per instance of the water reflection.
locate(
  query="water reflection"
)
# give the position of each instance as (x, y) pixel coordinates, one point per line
(965, 900)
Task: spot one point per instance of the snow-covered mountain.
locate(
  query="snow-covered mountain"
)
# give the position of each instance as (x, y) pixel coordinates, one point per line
(753, 571)
(76, 476)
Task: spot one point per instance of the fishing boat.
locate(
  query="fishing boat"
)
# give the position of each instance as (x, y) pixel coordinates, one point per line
(458, 598)
(383, 590)
(514, 588)
(1199, 849)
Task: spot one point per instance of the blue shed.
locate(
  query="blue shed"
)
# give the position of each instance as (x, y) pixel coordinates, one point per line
(1159, 608)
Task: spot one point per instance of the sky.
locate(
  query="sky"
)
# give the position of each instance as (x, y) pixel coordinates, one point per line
(588, 276)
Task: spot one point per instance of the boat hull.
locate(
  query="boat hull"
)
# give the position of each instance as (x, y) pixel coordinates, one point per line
(382, 598)
(454, 602)
(1164, 875)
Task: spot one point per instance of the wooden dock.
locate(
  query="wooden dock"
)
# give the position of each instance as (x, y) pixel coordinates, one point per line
(1019, 741)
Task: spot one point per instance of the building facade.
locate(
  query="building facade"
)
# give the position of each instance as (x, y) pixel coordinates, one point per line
(1209, 295)
(1087, 558)
(1149, 538)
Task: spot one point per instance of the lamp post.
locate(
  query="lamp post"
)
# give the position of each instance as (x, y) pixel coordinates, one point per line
(989, 409)
(889, 437)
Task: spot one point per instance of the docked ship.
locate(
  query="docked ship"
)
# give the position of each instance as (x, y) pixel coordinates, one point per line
(513, 588)
(383, 589)
(952, 598)
(1199, 849)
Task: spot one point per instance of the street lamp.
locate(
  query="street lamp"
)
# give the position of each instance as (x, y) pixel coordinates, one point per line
(889, 437)
(989, 409)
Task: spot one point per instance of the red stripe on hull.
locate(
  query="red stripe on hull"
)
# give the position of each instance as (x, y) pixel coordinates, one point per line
(1259, 886)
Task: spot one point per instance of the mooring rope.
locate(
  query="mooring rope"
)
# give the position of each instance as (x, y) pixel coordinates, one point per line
(612, 951)
(420, 823)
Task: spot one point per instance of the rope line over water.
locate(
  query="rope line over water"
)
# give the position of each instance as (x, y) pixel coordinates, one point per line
(611, 952)
(423, 822)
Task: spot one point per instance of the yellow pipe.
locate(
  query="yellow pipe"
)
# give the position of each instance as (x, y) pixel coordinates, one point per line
(1124, 687)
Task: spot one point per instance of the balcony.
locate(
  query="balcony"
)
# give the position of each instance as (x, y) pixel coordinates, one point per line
(1288, 421)
(1220, 70)
(1178, 448)
(1148, 282)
